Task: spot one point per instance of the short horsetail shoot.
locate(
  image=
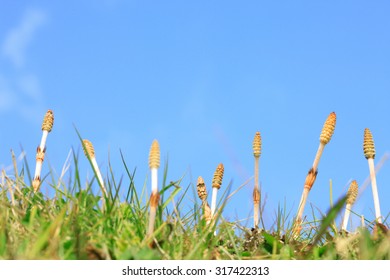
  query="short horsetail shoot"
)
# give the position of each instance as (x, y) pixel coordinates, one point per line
(256, 189)
(154, 164)
(216, 184)
(326, 135)
(369, 153)
(47, 126)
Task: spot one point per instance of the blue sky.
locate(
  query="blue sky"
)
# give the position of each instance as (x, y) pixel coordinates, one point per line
(202, 78)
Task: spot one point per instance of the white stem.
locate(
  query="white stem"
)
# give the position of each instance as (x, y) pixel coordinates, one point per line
(154, 179)
(256, 210)
(99, 175)
(301, 207)
(363, 222)
(38, 166)
(152, 218)
(344, 225)
(257, 171)
(375, 195)
(256, 206)
(214, 201)
(43, 140)
(318, 156)
(38, 169)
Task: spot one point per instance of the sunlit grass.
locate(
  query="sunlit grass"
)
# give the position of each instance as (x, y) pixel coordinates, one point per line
(71, 224)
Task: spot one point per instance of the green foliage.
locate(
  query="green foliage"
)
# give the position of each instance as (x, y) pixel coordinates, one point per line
(74, 224)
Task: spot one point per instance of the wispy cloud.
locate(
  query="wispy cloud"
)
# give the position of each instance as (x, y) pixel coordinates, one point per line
(22, 96)
(29, 85)
(18, 38)
(20, 90)
(6, 96)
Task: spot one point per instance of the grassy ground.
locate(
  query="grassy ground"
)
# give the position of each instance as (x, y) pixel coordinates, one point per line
(73, 225)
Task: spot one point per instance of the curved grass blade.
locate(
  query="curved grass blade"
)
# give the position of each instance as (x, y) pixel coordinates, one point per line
(329, 219)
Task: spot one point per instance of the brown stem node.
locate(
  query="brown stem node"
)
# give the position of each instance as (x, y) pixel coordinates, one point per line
(154, 199)
(310, 178)
(256, 196)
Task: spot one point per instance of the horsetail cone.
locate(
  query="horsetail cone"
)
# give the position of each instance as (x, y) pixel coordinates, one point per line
(351, 198)
(88, 149)
(48, 121)
(154, 155)
(216, 184)
(201, 188)
(368, 145)
(328, 128)
(257, 145)
(202, 193)
(352, 192)
(218, 175)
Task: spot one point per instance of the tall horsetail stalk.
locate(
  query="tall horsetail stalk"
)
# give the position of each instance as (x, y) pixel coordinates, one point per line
(256, 189)
(216, 184)
(326, 135)
(154, 164)
(47, 126)
(351, 198)
(89, 152)
(202, 193)
(369, 153)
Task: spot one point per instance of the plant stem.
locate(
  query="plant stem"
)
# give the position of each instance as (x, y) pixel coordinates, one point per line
(256, 195)
(214, 201)
(318, 156)
(326, 135)
(99, 176)
(154, 164)
(216, 184)
(301, 208)
(310, 179)
(256, 189)
(154, 179)
(47, 126)
(154, 199)
(375, 195)
(344, 224)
